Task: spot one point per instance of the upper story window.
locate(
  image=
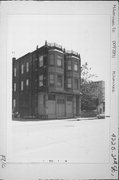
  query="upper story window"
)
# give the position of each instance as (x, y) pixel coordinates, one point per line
(22, 69)
(27, 82)
(22, 85)
(40, 80)
(27, 67)
(59, 60)
(69, 82)
(52, 59)
(75, 83)
(14, 86)
(76, 66)
(15, 72)
(51, 79)
(69, 65)
(40, 61)
(14, 103)
(59, 80)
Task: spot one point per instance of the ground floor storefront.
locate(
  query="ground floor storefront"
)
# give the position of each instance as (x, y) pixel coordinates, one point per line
(54, 106)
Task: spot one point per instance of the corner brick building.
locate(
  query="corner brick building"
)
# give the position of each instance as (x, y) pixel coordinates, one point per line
(46, 83)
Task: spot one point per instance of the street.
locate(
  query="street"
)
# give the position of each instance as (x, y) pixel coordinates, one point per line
(84, 141)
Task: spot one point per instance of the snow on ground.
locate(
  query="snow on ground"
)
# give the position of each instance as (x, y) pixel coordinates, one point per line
(85, 141)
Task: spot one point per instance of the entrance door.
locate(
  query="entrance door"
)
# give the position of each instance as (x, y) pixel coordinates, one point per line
(60, 107)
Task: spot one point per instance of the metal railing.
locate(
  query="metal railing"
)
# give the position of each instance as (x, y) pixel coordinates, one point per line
(60, 47)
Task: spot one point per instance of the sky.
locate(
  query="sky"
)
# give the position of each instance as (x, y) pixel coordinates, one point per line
(88, 35)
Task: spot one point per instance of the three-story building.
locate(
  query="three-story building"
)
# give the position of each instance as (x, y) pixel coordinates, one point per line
(46, 83)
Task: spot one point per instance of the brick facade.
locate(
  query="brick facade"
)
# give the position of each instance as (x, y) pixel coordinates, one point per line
(46, 83)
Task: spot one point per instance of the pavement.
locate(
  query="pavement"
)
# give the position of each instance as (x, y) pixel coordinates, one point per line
(70, 140)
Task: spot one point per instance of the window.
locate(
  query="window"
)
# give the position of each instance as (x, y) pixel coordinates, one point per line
(27, 67)
(59, 60)
(40, 61)
(14, 86)
(60, 101)
(59, 80)
(75, 83)
(52, 59)
(69, 84)
(22, 85)
(51, 97)
(14, 103)
(69, 98)
(22, 69)
(75, 66)
(40, 80)
(27, 82)
(69, 65)
(52, 79)
(14, 72)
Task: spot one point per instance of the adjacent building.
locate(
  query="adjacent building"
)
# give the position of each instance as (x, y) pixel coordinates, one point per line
(46, 83)
(99, 92)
